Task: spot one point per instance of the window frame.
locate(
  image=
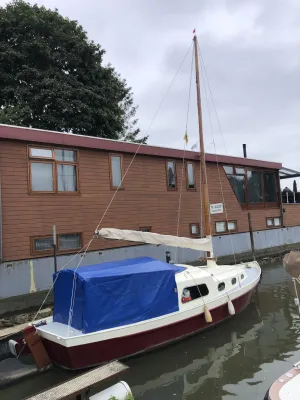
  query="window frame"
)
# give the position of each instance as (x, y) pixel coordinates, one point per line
(121, 187)
(191, 232)
(273, 226)
(227, 231)
(167, 176)
(187, 177)
(39, 252)
(47, 160)
(50, 251)
(258, 205)
(198, 291)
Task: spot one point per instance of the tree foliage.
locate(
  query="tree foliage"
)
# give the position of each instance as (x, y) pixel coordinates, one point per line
(53, 77)
(295, 190)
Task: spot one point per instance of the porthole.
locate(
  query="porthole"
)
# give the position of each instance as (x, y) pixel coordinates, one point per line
(242, 276)
(221, 286)
(233, 281)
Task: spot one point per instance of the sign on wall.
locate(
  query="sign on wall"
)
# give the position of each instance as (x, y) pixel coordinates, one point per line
(216, 208)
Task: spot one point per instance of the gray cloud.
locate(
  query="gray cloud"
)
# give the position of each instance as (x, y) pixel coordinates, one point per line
(251, 51)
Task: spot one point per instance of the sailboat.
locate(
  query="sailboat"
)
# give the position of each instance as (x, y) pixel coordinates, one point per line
(118, 309)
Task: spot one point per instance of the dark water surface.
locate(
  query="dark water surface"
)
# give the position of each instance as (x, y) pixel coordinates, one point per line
(237, 360)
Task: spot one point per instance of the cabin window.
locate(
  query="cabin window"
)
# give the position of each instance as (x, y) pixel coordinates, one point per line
(194, 229)
(171, 175)
(116, 171)
(70, 241)
(53, 170)
(273, 221)
(190, 176)
(233, 281)
(226, 227)
(242, 276)
(67, 241)
(221, 286)
(145, 228)
(253, 187)
(194, 292)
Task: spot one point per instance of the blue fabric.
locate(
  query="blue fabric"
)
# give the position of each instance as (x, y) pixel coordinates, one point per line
(116, 293)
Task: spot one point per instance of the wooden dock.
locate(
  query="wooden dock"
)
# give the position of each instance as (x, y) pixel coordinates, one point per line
(79, 386)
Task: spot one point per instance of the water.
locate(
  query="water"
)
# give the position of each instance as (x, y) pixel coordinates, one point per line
(237, 360)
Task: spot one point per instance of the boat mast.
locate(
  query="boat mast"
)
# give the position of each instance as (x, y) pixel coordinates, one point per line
(202, 151)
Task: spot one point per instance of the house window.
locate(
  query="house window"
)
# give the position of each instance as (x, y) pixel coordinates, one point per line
(42, 177)
(194, 229)
(237, 178)
(41, 153)
(273, 221)
(53, 170)
(255, 194)
(253, 187)
(270, 187)
(171, 175)
(221, 227)
(231, 225)
(194, 292)
(70, 241)
(43, 244)
(226, 227)
(145, 228)
(116, 171)
(190, 176)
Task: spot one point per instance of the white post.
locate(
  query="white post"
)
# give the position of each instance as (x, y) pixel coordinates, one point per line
(287, 197)
(294, 197)
(54, 248)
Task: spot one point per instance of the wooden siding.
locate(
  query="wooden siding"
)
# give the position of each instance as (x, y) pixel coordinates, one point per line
(292, 214)
(145, 200)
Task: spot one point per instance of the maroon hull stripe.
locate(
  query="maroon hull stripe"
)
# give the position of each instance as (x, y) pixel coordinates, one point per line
(91, 354)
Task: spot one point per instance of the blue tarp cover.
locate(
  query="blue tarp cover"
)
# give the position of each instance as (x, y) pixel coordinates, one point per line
(116, 293)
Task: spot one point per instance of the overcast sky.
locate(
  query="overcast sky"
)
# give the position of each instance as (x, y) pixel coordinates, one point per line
(251, 50)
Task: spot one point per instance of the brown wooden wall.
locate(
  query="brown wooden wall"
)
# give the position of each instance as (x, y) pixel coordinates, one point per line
(145, 201)
(292, 214)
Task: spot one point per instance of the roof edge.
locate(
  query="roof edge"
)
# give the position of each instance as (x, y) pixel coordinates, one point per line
(33, 135)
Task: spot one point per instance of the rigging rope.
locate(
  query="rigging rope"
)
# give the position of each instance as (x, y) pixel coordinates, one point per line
(214, 144)
(121, 182)
(183, 160)
(86, 246)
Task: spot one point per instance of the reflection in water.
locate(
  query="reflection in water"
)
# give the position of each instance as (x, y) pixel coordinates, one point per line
(237, 360)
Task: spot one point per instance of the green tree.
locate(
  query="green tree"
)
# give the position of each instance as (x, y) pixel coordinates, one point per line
(52, 77)
(295, 190)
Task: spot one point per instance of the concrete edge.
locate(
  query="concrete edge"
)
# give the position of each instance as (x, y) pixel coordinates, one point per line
(32, 301)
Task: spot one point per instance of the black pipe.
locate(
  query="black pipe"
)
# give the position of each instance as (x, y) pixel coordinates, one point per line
(55, 258)
(168, 257)
(245, 150)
